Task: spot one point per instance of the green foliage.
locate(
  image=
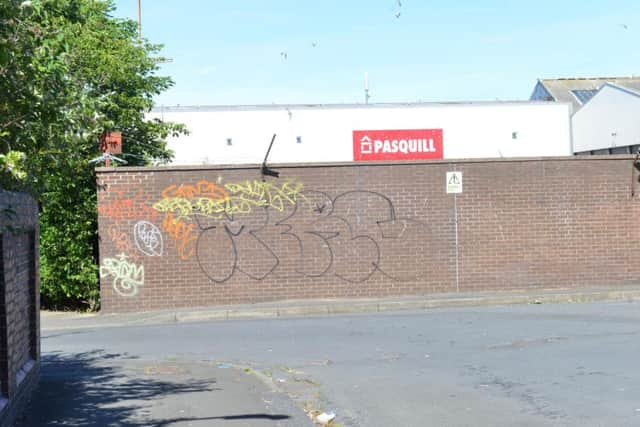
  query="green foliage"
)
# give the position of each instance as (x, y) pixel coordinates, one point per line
(68, 72)
(68, 237)
(11, 163)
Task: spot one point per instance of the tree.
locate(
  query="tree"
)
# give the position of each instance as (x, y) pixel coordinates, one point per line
(69, 71)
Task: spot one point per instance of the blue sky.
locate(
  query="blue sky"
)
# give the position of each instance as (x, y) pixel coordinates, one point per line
(229, 52)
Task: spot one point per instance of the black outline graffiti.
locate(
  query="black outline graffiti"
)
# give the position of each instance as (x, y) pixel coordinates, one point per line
(324, 210)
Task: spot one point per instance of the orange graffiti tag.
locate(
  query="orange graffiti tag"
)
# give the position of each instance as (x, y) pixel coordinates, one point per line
(184, 235)
(205, 189)
(129, 207)
(122, 243)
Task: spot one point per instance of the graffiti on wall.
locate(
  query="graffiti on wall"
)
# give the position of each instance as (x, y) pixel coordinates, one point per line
(148, 238)
(127, 206)
(184, 234)
(127, 276)
(212, 200)
(320, 236)
(122, 242)
(280, 229)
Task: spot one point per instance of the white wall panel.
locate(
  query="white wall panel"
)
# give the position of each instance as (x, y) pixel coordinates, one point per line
(474, 130)
(610, 119)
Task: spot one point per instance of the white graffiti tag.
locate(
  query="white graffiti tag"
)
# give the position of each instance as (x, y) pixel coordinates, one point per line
(127, 276)
(148, 238)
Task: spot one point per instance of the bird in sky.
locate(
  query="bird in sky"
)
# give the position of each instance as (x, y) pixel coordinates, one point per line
(283, 54)
(398, 13)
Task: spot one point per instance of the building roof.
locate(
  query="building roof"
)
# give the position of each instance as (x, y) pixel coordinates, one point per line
(594, 96)
(578, 91)
(629, 90)
(209, 108)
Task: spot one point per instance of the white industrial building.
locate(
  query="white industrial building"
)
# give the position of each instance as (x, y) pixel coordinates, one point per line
(605, 117)
(608, 122)
(353, 132)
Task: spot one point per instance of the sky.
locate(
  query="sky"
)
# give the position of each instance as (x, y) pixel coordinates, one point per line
(246, 52)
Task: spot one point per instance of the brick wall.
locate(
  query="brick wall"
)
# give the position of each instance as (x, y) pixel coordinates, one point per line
(19, 303)
(201, 236)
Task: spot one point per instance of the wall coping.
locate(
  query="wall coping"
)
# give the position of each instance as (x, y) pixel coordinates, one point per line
(456, 162)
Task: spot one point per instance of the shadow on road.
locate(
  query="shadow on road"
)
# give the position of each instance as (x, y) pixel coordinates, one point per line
(92, 389)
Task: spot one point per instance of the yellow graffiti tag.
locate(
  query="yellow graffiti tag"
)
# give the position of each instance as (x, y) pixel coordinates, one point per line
(241, 198)
(258, 193)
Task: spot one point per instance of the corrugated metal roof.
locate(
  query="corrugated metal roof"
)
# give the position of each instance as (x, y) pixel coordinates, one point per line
(584, 95)
(563, 90)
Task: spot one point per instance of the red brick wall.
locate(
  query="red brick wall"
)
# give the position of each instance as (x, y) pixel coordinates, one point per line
(201, 236)
(19, 303)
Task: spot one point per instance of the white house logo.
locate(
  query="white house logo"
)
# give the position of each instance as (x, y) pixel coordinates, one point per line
(366, 146)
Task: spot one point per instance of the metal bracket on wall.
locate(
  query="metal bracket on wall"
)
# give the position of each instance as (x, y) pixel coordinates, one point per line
(265, 170)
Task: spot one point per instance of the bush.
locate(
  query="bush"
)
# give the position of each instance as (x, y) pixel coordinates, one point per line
(70, 71)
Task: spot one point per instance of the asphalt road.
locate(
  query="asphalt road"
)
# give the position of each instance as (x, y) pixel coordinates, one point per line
(534, 365)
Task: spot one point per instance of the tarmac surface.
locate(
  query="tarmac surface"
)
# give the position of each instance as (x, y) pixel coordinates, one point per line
(472, 359)
(328, 307)
(97, 388)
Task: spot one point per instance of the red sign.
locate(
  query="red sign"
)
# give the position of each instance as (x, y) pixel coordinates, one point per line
(111, 142)
(400, 144)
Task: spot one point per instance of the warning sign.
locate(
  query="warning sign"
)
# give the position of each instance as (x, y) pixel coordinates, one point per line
(454, 182)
